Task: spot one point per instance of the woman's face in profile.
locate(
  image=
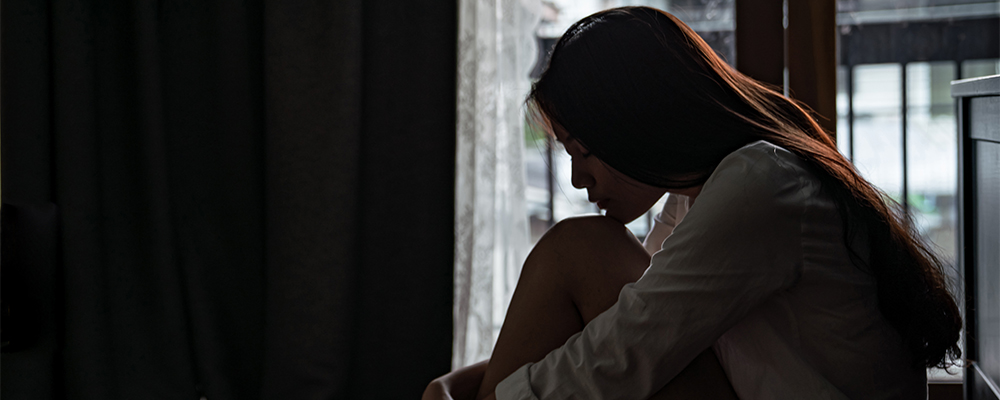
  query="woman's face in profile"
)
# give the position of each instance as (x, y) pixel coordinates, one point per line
(622, 197)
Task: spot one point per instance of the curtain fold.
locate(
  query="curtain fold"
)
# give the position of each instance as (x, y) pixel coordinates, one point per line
(156, 116)
(255, 198)
(313, 84)
(495, 55)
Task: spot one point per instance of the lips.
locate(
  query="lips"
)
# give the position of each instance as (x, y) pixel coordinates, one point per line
(602, 204)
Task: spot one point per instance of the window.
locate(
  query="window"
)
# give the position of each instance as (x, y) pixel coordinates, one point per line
(895, 114)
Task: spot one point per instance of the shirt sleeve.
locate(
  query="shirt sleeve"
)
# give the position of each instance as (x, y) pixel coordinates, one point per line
(673, 211)
(738, 245)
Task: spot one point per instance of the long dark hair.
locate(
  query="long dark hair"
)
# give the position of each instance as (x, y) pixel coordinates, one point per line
(645, 94)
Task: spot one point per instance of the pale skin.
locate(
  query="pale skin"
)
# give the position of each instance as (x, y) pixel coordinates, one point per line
(572, 275)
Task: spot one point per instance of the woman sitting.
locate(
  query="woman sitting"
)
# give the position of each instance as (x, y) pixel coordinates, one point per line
(789, 277)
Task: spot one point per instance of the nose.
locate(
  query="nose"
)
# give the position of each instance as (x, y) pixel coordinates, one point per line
(579, 176)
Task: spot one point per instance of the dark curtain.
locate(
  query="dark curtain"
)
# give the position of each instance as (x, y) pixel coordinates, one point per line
(254, 199)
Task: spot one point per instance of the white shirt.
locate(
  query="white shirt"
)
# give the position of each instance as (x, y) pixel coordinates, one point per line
(757, 270)
(673, 212)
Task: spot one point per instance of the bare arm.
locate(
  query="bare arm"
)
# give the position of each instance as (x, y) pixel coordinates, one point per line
(460, 384)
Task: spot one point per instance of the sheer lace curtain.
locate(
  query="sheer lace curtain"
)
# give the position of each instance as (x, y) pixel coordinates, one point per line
(495, 54)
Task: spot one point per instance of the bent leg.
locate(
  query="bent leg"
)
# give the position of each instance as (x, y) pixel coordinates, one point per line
(573, 274)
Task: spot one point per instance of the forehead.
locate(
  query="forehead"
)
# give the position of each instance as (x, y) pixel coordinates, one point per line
(558, 131)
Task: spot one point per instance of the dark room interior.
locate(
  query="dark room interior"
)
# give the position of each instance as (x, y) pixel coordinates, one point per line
(241, 199)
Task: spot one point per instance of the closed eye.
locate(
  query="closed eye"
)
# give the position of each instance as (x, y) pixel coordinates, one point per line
(572, 143)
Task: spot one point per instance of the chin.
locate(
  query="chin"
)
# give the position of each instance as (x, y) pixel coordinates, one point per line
(624, 219)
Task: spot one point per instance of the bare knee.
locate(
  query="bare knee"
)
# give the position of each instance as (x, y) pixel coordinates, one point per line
(592, 258)
(588, 236)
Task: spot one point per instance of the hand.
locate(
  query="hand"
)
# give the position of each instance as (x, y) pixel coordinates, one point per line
(460, 384)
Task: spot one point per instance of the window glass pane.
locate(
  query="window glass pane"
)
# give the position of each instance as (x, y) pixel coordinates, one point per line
(932, 153)
(843, 128)
(878, 152)
(977, 68)
(536, 191)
